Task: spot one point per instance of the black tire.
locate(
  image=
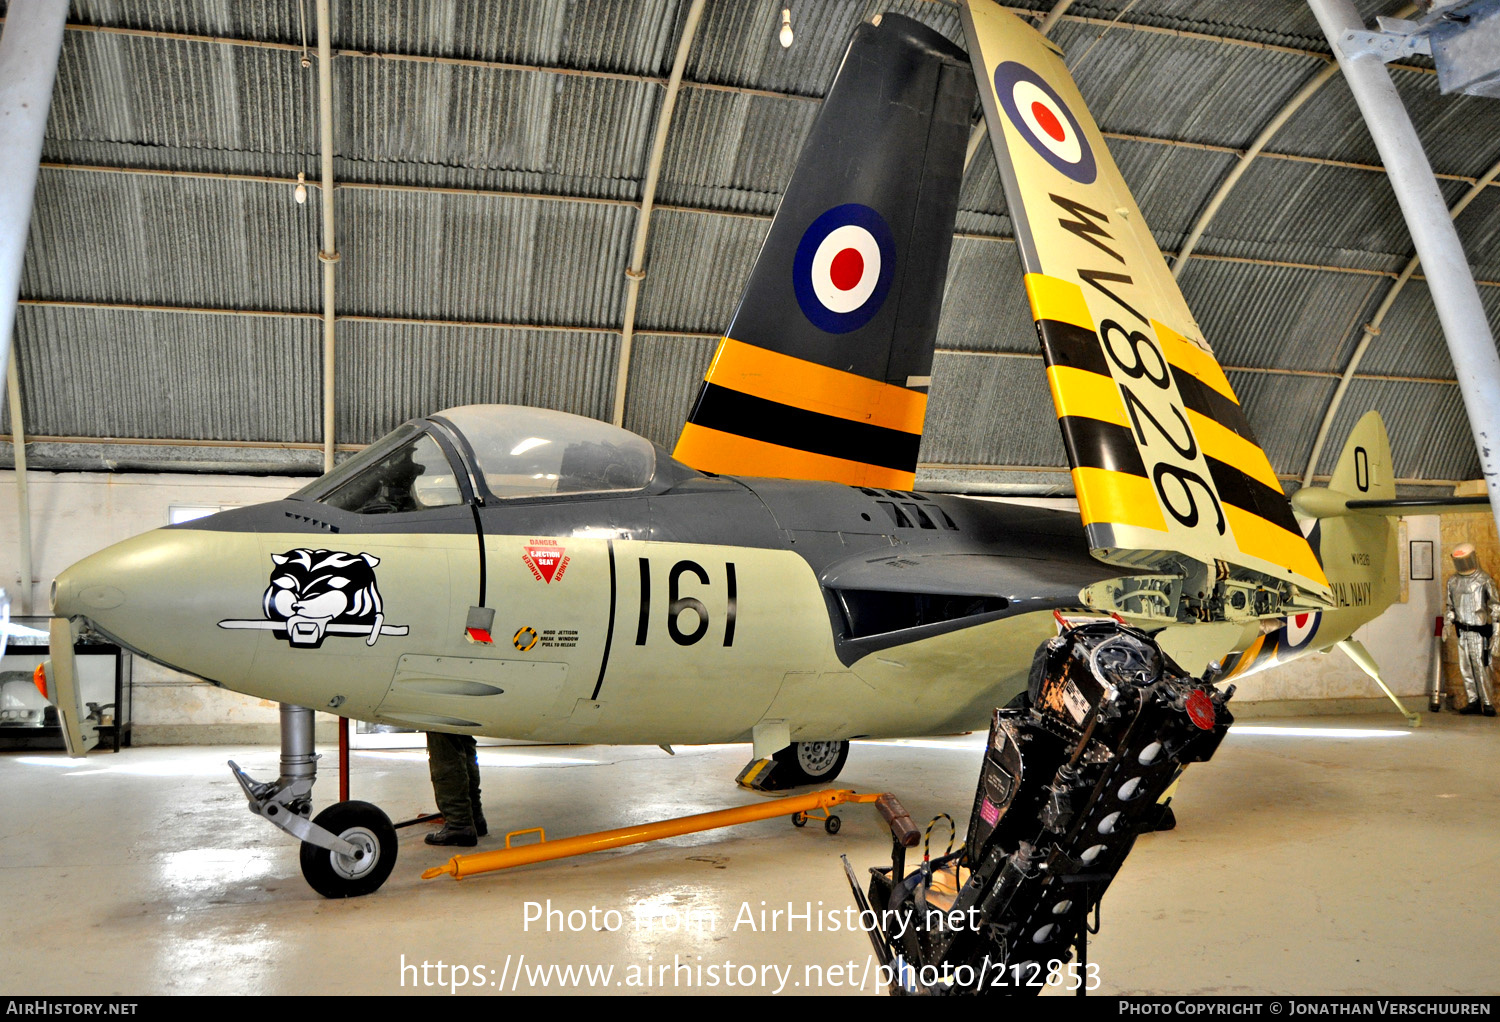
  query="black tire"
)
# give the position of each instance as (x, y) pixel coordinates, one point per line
(337, 876)
(832, 824)
(810, 762)
(799, 819)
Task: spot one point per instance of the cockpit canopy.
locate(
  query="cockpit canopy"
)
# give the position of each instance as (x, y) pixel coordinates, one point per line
(533, 452)
(506, 451)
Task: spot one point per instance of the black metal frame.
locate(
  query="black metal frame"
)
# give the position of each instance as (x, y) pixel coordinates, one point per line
(50, 736)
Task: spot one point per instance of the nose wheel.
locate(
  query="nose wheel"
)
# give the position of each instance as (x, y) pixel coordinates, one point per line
(350, 848)
(343, 874)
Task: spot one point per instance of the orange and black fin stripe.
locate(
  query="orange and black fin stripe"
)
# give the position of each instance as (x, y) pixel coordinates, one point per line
(763, 413)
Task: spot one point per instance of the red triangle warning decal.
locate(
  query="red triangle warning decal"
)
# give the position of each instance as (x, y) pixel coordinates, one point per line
(546, 560)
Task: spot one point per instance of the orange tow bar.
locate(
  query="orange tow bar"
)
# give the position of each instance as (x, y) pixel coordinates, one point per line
(797, 806)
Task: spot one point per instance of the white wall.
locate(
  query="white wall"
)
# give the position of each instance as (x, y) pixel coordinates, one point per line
(74, 514)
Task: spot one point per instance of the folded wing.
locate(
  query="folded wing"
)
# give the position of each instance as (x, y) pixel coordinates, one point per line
(1164, 462)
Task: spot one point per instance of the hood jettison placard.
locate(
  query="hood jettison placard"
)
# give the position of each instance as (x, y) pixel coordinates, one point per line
(317, 593)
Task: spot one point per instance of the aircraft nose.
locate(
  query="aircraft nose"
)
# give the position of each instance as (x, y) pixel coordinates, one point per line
(119, 578)
(80, 591)
(163, 592)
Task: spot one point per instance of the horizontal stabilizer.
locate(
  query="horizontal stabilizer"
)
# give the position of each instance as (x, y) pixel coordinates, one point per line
(1164, 463)
(1421, 506)
(1316, 502)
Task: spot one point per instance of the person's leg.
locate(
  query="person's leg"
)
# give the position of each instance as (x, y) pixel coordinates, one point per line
(1471, 667)
(447, 762)
(481, 826)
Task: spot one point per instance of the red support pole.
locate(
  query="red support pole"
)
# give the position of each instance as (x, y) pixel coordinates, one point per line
(343, 759)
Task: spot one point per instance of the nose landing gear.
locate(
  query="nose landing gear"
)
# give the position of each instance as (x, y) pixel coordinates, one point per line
(350, 848)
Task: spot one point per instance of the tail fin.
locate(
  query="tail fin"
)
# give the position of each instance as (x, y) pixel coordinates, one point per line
(1358, 546)
(1349, 523)
(1164, 462)
(1364, 483)
(1365, 471)
(824, 369)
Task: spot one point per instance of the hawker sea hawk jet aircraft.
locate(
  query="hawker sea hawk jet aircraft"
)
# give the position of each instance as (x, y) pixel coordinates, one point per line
(523, 573)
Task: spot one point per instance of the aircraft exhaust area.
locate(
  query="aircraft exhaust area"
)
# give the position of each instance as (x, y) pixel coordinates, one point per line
(1347, 859)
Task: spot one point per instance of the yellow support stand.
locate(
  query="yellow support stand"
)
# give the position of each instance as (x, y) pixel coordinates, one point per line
(800, 806)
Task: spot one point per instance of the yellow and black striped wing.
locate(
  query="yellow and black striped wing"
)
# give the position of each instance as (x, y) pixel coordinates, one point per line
(1164, 462)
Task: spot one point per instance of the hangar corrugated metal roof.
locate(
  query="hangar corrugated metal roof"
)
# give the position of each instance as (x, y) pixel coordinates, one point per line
(406, 370)
(1319, 308)
(171, 375)
(1223, 93)
(491, 162)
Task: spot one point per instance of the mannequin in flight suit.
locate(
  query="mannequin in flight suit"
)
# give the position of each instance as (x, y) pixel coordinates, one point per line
(1473, 607)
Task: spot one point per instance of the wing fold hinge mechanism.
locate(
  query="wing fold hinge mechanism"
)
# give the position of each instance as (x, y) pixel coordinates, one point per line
(1198, 593)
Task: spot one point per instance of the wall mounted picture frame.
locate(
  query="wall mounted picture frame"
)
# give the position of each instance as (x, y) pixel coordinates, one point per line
(1421, 560)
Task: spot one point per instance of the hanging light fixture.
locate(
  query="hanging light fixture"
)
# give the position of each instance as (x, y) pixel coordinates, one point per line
(786, 28)
(300, 193)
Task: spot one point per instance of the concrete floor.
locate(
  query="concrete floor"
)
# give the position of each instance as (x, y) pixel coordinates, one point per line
(1303, 863)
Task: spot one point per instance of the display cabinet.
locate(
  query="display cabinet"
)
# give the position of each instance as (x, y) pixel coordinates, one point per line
(27, 721)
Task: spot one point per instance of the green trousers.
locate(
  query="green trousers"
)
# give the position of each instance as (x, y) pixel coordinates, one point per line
(454, 765)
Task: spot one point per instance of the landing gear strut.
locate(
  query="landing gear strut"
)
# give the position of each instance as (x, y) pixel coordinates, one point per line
(350, 849)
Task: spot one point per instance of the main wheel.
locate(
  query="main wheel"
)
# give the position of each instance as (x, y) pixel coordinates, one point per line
(811, 762)
(367, 828)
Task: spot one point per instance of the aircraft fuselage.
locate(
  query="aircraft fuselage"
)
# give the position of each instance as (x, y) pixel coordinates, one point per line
(689, 614)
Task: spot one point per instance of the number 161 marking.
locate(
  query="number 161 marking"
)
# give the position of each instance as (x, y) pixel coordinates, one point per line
(677, 603)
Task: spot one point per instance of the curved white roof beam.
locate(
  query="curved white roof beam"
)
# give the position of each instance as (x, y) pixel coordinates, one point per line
(636, 272)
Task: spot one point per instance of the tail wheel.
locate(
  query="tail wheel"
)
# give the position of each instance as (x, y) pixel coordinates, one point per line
(812, 762)
(369, 830)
